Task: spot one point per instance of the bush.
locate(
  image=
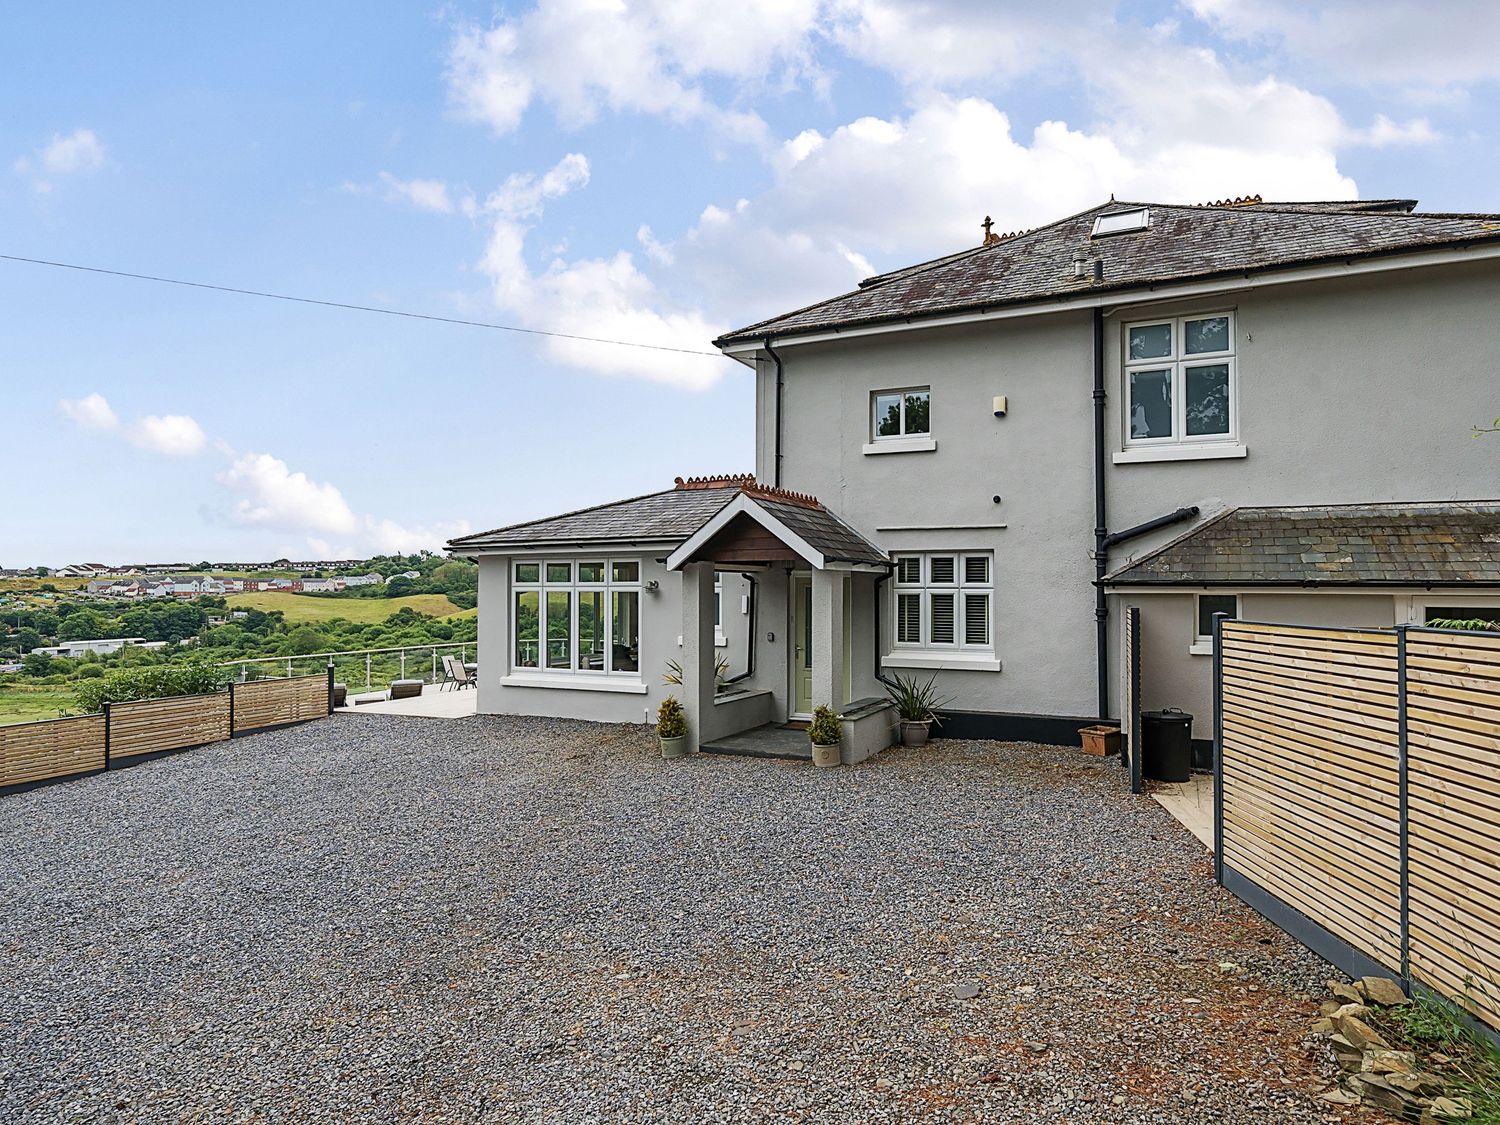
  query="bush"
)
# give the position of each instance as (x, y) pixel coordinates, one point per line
(188, 677)
(825, 728)
(671, 721)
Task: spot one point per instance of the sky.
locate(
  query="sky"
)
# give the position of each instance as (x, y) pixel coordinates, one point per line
(656, 172)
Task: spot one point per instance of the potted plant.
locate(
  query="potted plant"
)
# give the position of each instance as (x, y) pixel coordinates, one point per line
(917, 704)
(826, 733)
(673, 674)
(671, 728)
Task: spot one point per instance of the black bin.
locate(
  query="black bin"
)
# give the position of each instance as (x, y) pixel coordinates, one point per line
(1167, 744)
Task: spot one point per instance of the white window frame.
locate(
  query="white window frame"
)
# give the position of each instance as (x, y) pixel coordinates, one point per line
(925, 588)
(1203, 645)
(876, 437)
(574, 588)
(1419, 604)
(1176, 364)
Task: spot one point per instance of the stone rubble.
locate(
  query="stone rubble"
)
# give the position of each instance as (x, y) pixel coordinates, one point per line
(1375, 1073)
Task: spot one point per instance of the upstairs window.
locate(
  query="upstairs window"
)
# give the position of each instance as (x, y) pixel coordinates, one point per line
(900, 413)
(943, 601)
(1180, 381)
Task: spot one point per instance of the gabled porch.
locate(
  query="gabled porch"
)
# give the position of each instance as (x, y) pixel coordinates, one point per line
(812, 632)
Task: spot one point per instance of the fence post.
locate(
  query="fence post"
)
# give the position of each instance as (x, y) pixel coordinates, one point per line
(231, 708)
(367, 671)
(1219, 747)
(289, 667)
(105, 709)
(330, 686)
(1401, 801)
(434, 665)
(403, 664)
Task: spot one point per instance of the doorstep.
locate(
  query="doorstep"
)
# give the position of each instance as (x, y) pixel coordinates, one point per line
(769, 741)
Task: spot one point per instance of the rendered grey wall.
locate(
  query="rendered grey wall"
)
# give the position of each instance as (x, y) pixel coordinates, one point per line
(1173, 677)
(1349, 391)
(1036, 459)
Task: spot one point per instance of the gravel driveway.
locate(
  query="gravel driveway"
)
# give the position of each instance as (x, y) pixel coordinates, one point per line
(375, 918)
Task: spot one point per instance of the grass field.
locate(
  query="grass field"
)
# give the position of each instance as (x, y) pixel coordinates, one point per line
(363, 611)
(25, 705)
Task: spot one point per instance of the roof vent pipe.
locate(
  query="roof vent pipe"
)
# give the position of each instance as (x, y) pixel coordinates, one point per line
(1098, 270)
(1080, 268)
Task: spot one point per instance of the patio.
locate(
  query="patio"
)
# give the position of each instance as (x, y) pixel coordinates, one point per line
(380, 918)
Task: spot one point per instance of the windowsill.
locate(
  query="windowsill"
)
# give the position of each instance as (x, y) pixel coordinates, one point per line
(569, 681)
(1207, 452)
(949, 661)
(901, 445)
(1201, 648)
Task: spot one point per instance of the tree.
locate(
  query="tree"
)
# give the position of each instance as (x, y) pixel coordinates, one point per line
(36, 664)
(84, 625)
(27, 639)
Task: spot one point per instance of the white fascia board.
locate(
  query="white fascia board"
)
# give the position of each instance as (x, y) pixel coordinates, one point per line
(1155, 293)
(573, 547)
(745, 505)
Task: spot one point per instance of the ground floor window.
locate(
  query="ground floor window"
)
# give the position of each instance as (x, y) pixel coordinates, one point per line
(943, 601)
(577, 616)
(1209, 606)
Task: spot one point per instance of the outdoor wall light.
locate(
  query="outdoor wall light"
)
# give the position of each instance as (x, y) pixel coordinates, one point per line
(653, 585)
(1000, 406)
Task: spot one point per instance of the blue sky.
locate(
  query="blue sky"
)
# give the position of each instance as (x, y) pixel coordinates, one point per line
(645, 172)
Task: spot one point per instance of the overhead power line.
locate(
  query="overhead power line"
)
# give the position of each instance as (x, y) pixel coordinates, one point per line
(357, 308)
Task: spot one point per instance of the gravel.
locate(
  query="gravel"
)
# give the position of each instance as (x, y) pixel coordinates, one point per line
(378, 918)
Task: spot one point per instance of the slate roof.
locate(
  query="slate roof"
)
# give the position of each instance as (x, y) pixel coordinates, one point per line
(1182, 243)
(1438, 544)
(674, 515)
(669, 516)
(822, 530)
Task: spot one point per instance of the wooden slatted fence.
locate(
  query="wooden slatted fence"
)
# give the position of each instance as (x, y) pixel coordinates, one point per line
(275, 703)
(153, 726)
(1358, 796)
(31, 753)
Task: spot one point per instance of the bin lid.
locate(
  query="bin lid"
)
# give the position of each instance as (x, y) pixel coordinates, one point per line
(1168, 715)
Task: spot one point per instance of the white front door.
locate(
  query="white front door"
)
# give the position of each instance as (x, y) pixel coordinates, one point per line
(801, 646)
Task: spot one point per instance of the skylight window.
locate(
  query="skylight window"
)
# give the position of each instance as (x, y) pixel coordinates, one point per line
(1121, 222)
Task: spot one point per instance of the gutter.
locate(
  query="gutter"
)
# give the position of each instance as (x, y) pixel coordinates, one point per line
(881, 580)
(776, 464)
(750, 647)
(1302, 584)
(1101, 524)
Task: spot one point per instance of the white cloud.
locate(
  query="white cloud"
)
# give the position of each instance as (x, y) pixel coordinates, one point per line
(1379, 42)
(608, 298)
(425, 195)
(583, 56)
(269, 494)
(79, 152)
(386, 536)
(175, 435)
(1384, 132)
(92, 412)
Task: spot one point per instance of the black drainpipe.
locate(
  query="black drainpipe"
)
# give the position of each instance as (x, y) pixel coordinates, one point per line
(776, 465)
(750, 648)
(880, 580)
(1101, 521)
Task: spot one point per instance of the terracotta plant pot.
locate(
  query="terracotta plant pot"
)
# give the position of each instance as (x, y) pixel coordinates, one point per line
(915, 734)
(1101, 742)
(673, 747)
(826, 757)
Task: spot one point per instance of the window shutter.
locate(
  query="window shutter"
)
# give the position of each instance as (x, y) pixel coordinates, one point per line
(943, 619)
(909, 570)
(977, 619)
(909, 619)
(976, 570)
(943, 570)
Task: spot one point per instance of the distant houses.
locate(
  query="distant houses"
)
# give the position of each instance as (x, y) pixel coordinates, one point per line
(131, 587)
